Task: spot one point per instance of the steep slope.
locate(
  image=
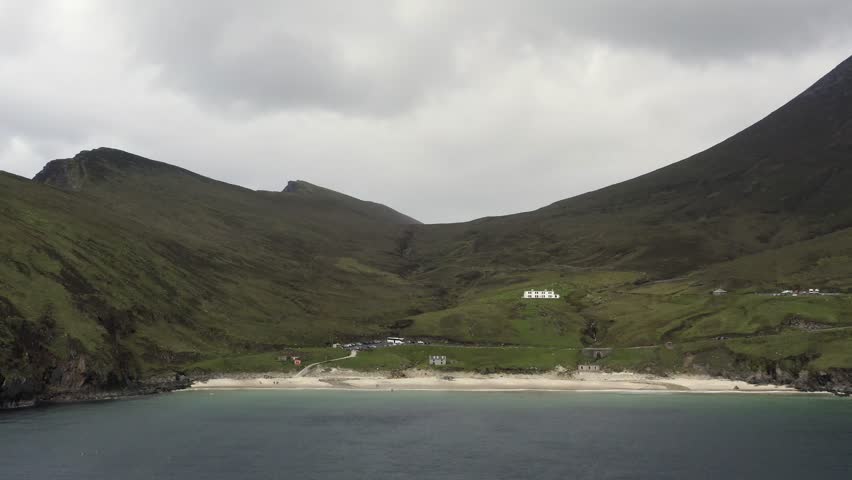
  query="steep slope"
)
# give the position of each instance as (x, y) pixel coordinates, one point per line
(782, 180)
(202, 211)
(111, 170)
(794, 161)
(135, 266)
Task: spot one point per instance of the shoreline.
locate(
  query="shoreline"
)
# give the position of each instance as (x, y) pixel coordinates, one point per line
(424, 380)
(431, 381)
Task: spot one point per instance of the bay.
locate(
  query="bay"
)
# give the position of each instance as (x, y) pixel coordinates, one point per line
(432, 435)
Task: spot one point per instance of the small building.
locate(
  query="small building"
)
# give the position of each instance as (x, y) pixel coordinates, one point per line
(297, 361)
(395, 340)
(719, 292)
(438, 360)
(588, 368)
(540, 294)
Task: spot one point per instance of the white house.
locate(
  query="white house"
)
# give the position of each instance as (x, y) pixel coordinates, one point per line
(540, 294)
(437, 360)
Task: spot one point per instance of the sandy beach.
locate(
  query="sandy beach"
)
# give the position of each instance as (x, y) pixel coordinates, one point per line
(467, 381)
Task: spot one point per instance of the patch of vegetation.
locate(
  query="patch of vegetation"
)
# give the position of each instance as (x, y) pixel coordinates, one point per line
(480, 359)
(264, 362)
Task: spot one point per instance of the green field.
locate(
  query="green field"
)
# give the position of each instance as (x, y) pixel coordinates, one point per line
(481, 359)
(790, 350)
(264, 362)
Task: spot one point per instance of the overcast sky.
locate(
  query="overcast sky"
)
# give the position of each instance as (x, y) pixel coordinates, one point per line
(444, 110)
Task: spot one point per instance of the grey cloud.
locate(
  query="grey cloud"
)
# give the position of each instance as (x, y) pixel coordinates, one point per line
(289, 54)
(689, 30)
(26, 119)
(370, 58)
(444, 110)
(17, 26)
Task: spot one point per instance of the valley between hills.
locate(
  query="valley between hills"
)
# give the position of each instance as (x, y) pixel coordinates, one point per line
(123, 274)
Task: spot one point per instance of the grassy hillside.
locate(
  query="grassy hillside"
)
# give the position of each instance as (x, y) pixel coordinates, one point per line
(114, 267)
(781, 181)
(142, 267)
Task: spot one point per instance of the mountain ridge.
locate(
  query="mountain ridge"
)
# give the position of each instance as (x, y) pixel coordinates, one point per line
(115, 268)
(95, 169)
(99, 164)
(781, 180)
(833, 95)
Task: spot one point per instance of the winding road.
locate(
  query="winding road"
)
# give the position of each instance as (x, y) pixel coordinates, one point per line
(304, 371)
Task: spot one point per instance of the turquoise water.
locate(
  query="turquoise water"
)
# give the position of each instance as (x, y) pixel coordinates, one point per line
(431, 435)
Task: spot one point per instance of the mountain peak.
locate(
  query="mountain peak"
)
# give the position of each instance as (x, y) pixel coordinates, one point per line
(300, 186)
(116, 171)
(98, 165)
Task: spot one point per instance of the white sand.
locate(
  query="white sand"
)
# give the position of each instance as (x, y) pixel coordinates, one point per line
(464, 381)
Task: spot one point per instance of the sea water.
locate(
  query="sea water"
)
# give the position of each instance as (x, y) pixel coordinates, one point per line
(432, 435)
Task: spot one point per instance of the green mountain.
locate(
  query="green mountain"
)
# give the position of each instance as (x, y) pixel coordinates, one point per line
(783, 180)
(116, 269)
(129, 263)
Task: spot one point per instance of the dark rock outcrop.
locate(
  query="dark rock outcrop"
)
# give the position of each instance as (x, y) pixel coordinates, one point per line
(835, 380)
(18, 392)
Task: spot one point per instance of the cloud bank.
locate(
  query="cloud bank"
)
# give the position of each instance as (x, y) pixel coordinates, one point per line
(444, 110)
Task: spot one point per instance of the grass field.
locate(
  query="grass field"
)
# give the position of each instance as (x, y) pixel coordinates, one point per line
(481, 359)
(795, 351)
(264, 362)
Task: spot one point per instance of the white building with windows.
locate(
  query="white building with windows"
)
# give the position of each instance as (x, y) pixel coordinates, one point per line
(437, 360)
(540, 294)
